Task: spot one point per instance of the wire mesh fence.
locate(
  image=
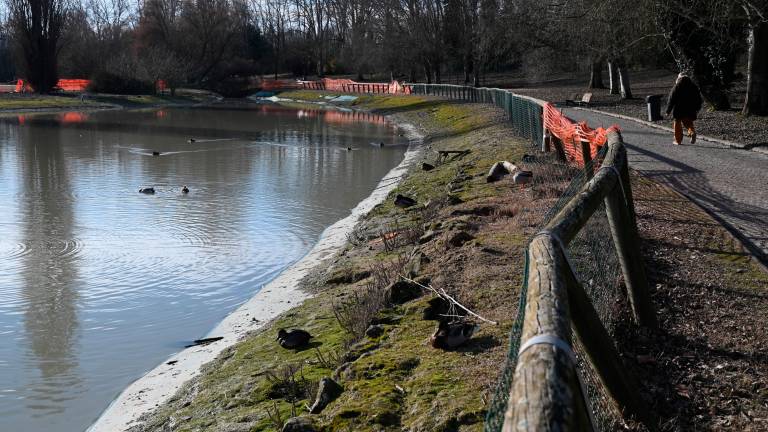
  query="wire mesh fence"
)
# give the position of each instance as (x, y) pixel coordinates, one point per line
(592, 253)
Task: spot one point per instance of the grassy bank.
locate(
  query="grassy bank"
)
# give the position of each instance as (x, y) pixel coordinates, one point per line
(13, 102)
(467, 237)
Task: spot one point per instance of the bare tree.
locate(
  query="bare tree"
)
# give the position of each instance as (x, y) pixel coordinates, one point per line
(756, 101)
(37, 26)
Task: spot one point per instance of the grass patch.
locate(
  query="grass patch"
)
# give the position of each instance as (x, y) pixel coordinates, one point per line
(22, 102)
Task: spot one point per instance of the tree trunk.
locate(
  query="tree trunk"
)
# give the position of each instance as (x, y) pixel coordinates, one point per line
(596, 75)
(756, 102)
(714, 95)
(613, 77)
(427, 73)
(625, 90)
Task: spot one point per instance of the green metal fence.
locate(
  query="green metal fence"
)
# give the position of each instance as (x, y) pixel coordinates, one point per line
(525, 114)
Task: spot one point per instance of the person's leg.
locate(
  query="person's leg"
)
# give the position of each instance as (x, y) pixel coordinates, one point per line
(688, 123)
(678, 127)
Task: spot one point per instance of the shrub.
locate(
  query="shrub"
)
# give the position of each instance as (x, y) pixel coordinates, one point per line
(107, 82)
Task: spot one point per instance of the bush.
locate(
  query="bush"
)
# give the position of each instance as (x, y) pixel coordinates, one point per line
(107, 82)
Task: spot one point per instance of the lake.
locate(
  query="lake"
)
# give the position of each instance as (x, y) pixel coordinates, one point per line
(99, 283)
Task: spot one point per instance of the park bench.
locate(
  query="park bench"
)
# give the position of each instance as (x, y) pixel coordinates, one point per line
(585, 100)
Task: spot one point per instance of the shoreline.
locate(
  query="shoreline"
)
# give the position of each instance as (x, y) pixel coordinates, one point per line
(278, 296)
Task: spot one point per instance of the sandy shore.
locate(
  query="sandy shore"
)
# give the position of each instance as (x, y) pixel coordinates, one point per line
(280, 295)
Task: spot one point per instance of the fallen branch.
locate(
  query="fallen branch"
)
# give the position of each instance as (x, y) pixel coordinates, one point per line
(441, 292)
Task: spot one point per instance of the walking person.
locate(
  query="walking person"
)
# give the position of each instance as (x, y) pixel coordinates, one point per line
(684, 103)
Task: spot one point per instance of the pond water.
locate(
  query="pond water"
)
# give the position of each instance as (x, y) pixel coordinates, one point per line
(99, 283)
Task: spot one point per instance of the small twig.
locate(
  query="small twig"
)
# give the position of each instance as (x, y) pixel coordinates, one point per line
(445, 295)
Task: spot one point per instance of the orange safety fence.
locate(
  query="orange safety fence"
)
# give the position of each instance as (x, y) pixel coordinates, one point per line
(339, 85)
(75, 85)
(573, 135)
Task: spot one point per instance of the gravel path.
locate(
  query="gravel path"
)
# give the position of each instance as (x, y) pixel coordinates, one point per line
(731, 184)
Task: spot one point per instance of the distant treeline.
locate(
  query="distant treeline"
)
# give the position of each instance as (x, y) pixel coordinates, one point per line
(210, 43)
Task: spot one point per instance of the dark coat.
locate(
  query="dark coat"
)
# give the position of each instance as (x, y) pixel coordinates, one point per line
(684, 100)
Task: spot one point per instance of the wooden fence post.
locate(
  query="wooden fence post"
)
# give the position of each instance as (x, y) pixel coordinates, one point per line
(586, 156)
(542, 396)
(603, 356)
(559, 147)
(626, 240)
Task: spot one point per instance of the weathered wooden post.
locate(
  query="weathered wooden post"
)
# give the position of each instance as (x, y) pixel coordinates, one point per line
(602, 354)
(559, 147)
(586, 156)
(543, 396)
(626, 239)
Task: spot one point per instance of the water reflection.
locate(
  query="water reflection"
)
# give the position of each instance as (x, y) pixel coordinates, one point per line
(99, 283)
(49, 269)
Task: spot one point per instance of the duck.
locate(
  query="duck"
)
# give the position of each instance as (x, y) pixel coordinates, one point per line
(349, 148)
(147, 190)
(155, 153)
(191, 140)
(450, 335)
(293, 339)
(184, 189)
(404, 201)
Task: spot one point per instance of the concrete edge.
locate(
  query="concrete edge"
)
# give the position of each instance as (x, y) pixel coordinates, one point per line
(729, 144)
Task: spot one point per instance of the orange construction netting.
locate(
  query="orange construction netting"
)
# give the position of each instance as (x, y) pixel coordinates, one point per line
(572, 135)
(76, 85)
(339, 85)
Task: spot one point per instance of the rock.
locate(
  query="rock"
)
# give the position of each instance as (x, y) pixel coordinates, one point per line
(404, 201)
(402, 291)
(427, 236)
(299, 424)
(155, 153)
(458, 239)
(374, 331)
(347, 276)
(148, 190)
(327, 392)
(415, 264)
(499, 170)
(523, 177)
(387, 418)
(453, 199)
(427, 167)
(344, 372)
